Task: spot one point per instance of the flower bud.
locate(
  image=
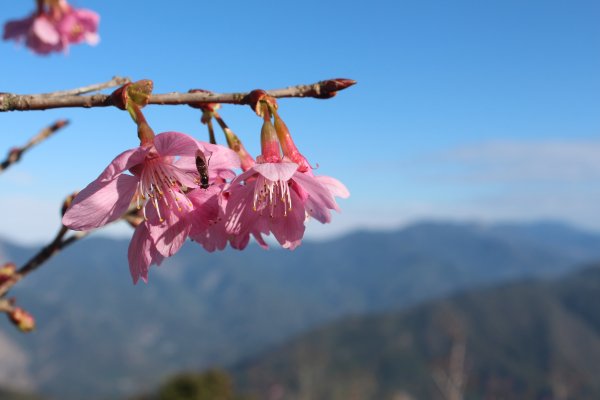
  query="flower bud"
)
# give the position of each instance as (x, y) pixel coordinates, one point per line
(14, 154)
(137, 92)
(7, 271)
(22, 319)
(67, 203)
(329, 88)
(269, 143)
(236, 145)
(261, 102)
(133, 97)
(119, 97)
(287, 144)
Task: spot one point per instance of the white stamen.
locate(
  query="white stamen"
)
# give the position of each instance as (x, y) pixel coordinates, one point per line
(268, 193)
(159, 183)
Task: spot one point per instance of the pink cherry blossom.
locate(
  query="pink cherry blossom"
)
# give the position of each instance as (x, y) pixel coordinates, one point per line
(37, 31)
(78, 25)
(54, 28)
(207, 218)
(209, 221)
(275, 197)
(142, 253)
(18, 29)
(163, 174)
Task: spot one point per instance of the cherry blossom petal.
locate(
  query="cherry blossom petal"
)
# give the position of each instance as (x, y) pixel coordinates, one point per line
(244, 176)
(141, 253)
(124, 161)
(91, 38)
(206, 207)
(100, 202)
(17, 29)
(317, 192)
(220, 157)
(175, 144)
(168, 241)
(35, 44)
(180, 171)
(138, 254)
(45, 30)
(240, 242)
(260, 240)
(276, 171)
(288, 228)
(241, 220)
(168, 235)
(208, 219)
(336, 187)
(240, 215)
(89, 21)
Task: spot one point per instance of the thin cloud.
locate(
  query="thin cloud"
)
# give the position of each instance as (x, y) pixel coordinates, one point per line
(553, 161)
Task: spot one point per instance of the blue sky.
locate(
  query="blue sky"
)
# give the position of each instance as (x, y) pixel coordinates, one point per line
(467, 110)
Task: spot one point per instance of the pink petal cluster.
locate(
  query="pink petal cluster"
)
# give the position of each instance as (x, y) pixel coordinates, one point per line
(279, 192)
(163, 183)
(54, 29)
(161, 177)
(276, 197)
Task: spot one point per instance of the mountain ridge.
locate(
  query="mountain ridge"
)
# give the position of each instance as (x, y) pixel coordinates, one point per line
(201, 309)
(521, 340)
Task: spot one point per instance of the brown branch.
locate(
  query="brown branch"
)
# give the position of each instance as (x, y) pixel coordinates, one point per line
(15, 154)
(114, 82)
(320, 90)
(41, 257)
(19, 317)
(58, 243)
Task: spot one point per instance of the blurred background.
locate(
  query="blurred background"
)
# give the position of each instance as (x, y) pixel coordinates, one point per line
(465, 264)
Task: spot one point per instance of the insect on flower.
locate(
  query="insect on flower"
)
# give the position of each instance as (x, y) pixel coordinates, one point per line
(202, 167)
(158, 174)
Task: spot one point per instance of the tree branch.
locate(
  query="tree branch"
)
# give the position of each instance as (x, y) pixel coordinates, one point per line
(41, 257)
(15, 154)
(15, 102)
(58, 243)
(114, 82)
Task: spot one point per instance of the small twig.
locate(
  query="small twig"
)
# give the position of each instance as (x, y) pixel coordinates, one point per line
(15, 154)
(42, 256)
(114, 82)
(320, 90)
(211, 132)
(58, 243)
(6, 306)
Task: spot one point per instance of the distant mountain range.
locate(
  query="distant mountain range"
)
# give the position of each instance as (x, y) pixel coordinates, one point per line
(101, 336)
(526, 340)
(11, 395)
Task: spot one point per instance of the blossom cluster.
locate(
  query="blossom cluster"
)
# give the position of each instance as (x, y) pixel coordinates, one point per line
(185, 188)
(53, 27)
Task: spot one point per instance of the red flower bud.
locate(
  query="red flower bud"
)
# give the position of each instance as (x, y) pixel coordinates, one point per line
(269, 143)
(258, 100)
(22, 319)
(137, 92)
(7, 271)
(329, 88)
(288, 146)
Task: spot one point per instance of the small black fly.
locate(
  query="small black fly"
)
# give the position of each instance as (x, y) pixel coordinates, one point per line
(202, 167)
